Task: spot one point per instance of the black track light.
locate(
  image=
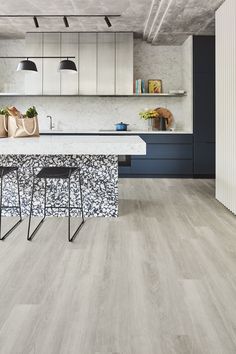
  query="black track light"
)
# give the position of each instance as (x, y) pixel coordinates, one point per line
(107, 21)
(36, 22)
(66, 21)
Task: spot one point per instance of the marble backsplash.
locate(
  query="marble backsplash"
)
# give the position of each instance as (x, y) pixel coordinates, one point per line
(95, 113)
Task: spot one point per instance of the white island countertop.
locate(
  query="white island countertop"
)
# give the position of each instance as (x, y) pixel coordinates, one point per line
(73, 145)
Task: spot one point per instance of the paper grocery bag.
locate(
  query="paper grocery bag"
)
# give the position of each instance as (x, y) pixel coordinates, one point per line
(19, 127)
(3, 126)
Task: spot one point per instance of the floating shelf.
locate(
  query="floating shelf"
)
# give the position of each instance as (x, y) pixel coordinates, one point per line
(131, 95)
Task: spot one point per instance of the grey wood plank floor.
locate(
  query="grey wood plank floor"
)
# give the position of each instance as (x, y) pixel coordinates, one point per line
(160, 279)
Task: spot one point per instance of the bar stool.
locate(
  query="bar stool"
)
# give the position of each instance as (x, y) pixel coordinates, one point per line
(47, 173)
(4, 171)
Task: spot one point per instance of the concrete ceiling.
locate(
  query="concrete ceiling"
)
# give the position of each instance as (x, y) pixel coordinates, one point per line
(159, 22)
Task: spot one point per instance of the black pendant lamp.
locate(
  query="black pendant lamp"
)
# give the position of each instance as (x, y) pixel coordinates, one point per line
(67, 64)
(27, 65)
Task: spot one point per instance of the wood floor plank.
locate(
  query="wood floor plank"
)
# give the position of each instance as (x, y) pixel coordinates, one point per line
(160, 279)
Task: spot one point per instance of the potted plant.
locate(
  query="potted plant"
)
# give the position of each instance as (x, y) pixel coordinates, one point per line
(149, 115)
(31, 112)
(3, 122)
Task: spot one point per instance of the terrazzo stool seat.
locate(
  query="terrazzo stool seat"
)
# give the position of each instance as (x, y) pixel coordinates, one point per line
(3, 172)
(64, 173)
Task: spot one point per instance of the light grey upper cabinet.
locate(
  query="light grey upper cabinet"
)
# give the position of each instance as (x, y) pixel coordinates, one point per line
(106, 64)
(124, 63)
(51, 75)
(33, 80)
(69, 47)
(87, 63)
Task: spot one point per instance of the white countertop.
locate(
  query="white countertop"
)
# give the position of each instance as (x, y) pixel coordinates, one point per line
(73, 145)
(110, 132)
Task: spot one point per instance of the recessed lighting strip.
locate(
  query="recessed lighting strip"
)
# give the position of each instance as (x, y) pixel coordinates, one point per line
(148, 19)
(161, 22)
(155, 18)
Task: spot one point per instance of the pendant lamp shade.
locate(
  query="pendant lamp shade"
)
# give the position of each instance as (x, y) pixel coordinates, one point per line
(67, 64)
(27, 65)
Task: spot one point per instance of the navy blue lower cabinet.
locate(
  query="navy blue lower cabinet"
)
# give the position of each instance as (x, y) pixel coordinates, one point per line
(168, 155)
(167, 151)
(159, 167)
(204, 159)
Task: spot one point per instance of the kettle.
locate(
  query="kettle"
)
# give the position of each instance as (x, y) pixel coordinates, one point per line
(121, 126)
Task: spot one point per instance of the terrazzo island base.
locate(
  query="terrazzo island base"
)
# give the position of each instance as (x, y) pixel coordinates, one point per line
(96, 156)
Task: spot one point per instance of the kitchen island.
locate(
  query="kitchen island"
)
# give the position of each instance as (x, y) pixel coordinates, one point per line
(97, 157)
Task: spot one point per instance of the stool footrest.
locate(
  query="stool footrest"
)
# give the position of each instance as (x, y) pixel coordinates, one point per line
(62, 207)
(10, 207)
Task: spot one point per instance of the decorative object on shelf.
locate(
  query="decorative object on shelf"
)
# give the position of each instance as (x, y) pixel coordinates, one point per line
(20, 125)
(139, 86)
(162, 123)
(155, 86)
(165, 120)
(150, 115)
(158, 118)
(121, 126)
(3, 123)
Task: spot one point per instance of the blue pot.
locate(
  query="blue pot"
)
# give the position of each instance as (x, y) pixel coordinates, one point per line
(121, 126)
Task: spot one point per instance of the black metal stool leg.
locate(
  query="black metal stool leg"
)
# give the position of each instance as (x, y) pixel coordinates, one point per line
(18, 192)
(19, 209)
(71, 239)
(30, 236)
(81, 197)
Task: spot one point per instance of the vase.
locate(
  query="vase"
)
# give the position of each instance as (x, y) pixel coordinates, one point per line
(163, 123)
(149, 121)
(151, 124)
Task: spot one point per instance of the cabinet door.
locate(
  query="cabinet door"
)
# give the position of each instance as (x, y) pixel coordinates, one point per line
(204, 159)
(204, 88)
(34, 47)
(124, 63)
(106, 64)
(87, 63)
(51, 75)
(69, 79)
(204, 107)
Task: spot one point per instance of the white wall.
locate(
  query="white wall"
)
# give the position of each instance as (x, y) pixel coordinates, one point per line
(171, 64)
(226, 105)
